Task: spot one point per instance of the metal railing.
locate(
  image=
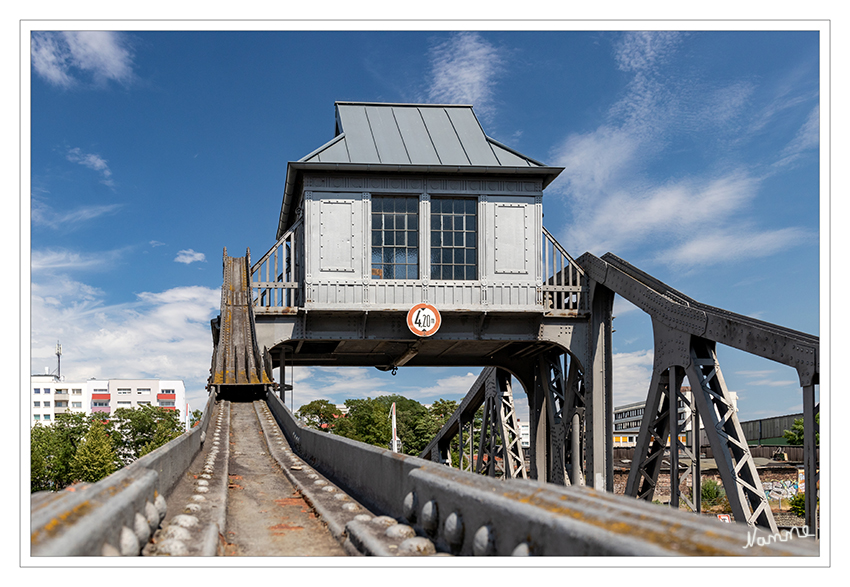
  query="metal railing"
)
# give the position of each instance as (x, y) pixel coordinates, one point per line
(468, 514)
(564, 283)
(276, 283)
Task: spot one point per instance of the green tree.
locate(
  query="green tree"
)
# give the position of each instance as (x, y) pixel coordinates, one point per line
(367, 421)
(319, 414)
(795, 435)
(95, 457)
(41, 458)
(143, 429)
(52, 450)
(195, 417)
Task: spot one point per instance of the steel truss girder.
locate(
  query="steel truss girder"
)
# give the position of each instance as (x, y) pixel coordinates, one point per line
(499, 437)
(731, 451)
(679, 474)
(560, 435)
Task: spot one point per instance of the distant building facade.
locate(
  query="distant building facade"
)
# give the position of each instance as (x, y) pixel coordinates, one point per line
(628, 418)
(51, 395)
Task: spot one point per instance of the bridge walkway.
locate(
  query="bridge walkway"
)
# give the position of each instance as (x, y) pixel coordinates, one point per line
(266, 515)
(235, 500)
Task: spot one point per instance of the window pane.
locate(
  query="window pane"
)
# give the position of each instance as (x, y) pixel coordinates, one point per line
(454, 237)
(395, 223)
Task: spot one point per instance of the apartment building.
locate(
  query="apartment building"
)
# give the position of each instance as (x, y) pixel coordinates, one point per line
(51, 395)
(628, 418)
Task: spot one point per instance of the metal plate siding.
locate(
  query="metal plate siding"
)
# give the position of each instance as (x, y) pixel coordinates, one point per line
(511, 238)
(336, 236)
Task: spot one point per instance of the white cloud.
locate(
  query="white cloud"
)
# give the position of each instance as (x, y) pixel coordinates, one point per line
(50, 260)
(189, 256)
(632, 373)
(43, 215)
(725, 245)
(464, 69)
(617, 206)
(93, 162)
(63, 58)
(806, 139)
(159, 335)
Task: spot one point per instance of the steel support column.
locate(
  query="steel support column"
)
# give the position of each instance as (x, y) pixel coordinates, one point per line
(810, 463)
(600, 415)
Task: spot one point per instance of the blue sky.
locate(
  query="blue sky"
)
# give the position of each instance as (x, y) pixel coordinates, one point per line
(693, 155)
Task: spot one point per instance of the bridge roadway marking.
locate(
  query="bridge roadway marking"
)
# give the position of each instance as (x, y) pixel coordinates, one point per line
(265, 514)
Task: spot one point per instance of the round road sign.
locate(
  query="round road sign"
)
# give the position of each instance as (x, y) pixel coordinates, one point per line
(423, 319)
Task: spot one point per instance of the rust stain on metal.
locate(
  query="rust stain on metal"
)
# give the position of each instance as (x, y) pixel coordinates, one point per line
(290, 501)
(66, 518)
(672, 536)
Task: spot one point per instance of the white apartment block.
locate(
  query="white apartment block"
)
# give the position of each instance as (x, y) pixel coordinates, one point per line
(51, 395)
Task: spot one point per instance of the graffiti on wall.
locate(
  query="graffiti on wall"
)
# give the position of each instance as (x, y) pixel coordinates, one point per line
(780, 489)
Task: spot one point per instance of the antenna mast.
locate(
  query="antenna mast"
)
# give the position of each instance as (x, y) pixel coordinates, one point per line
(58, 359)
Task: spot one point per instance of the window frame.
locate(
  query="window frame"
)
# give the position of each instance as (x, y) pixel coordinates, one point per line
(412, 236)
(448, 261)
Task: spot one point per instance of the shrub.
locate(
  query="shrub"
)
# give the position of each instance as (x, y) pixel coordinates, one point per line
(797, 504)
(712, 494)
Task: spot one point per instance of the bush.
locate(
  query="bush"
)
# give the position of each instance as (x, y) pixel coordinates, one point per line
(798, 504)
(712, 494)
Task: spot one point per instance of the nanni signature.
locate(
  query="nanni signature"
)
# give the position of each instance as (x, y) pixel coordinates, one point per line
(783, 536)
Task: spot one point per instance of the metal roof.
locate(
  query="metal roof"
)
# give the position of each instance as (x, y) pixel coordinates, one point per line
(412, 138)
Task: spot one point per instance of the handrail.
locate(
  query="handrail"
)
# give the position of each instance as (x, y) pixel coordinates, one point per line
(276, 277)
(564, 285)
